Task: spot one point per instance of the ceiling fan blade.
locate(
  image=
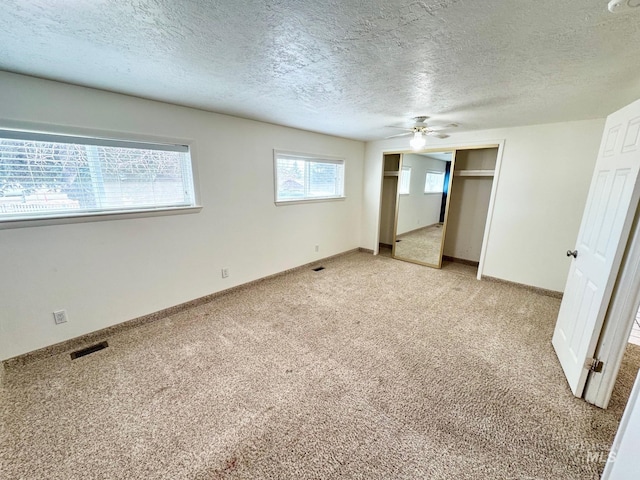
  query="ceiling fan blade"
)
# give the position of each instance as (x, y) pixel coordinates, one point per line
(435, 128)
(437, 134)
(399, 128)
(400, 135)
(421, 126)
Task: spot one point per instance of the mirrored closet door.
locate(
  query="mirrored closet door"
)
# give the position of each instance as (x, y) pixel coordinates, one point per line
(432, 211)
(422, 204)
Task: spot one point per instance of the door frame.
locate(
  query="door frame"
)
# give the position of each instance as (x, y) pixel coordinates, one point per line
(618, 321)
(623, 449)
(499, 144)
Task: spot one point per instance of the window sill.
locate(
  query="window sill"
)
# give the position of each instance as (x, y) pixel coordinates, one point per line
(281, 203)
(94, 217)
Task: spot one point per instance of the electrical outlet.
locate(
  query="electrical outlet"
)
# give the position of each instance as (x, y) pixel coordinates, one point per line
(317, 248)
(225, 272)
(60, 316)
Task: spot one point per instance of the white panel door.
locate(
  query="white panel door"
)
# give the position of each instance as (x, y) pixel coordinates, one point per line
(611, 205)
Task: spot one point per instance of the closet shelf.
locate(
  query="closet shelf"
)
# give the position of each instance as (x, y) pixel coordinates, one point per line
(391, 173)
(473, 173)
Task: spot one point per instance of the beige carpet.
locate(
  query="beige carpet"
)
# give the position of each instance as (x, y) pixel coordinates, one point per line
(421, 245)
(370, 369)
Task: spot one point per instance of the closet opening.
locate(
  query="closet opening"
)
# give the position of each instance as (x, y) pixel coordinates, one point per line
(436, 205)
(470, 194)
(388, 203)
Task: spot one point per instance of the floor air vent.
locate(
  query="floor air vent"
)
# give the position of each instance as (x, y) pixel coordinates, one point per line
(89, 350)
(317, 269)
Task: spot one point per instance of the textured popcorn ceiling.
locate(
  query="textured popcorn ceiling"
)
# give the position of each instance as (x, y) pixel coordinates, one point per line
(344, 67)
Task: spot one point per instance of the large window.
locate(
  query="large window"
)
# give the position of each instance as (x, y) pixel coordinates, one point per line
(302, 177)
(434, 182)
(51, 176)
(405, 181)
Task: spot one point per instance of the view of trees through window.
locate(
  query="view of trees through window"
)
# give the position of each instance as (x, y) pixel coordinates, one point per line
(299, 179)
(39, 176)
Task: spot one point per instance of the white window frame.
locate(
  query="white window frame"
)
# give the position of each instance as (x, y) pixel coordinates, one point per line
(433, 172)
(401, 182)
(307, 158)
(29, 131)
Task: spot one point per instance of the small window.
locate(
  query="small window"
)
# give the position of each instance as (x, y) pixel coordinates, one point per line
(303, 177)
(405, 181)
(434, 182)
(55, 176)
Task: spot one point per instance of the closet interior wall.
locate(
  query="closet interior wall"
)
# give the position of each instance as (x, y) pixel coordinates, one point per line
(389, 196)
(469, 204)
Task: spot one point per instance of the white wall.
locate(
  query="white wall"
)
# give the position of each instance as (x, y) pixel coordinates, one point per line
(541, 194)
(417, 209)
(107, 272)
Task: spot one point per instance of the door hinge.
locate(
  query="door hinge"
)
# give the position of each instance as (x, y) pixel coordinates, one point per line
(594, 365)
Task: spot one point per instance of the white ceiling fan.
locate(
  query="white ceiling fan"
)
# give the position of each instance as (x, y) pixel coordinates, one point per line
(420, 130)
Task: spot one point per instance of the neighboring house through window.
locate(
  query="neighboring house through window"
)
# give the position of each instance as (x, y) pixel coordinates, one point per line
(302, 177)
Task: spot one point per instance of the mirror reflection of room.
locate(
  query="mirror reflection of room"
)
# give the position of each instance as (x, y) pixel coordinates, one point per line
(422, 193)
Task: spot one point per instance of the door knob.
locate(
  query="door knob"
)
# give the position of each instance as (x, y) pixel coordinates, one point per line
(573, 254)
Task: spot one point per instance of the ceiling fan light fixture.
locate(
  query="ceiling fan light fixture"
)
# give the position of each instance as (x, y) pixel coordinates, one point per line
(617, 6)
(418, 141)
